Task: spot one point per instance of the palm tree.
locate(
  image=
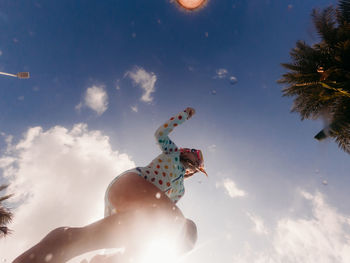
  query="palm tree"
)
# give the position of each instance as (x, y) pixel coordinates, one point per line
(319, 75)
(5, 214)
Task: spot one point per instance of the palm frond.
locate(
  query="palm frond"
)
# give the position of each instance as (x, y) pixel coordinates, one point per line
(3, 198)
(318, 77)
(3, 187)
(5, 214)
(324, 22)
(343, 138)
(4, 231)
(344, 10)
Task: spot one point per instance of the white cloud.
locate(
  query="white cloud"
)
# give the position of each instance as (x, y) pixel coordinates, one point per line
(117, 85)
(6, 161)
(59, 177)
(0, 53)
(95, 98)
(79, 106)
(259, 226)
(221, 73)
(233, 80)
(231, 189)
(190, 68)
(146, 80)
(8, 140)
(134, 108)
(324, 237)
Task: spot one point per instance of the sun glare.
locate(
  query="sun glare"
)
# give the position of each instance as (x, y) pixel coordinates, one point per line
(191, 4)
(160, 250)
(161, 244)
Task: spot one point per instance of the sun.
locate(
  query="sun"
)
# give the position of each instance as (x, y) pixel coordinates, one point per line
(191, 5)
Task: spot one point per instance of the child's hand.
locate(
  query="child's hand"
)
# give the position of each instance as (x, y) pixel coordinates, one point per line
(190, 112)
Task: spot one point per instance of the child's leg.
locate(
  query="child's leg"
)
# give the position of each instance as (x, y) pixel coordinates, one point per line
(119, 230)
(141, 210)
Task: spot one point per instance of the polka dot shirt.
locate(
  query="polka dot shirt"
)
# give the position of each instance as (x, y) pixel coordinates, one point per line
(166, 171)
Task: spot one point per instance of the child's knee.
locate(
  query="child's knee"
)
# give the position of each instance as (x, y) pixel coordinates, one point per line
(65, 235)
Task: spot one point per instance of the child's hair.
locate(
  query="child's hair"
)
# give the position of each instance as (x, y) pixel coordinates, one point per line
(187, 163)
(196, 166)
(184, 160)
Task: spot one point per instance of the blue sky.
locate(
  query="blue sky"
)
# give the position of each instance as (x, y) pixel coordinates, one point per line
(121, 49)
